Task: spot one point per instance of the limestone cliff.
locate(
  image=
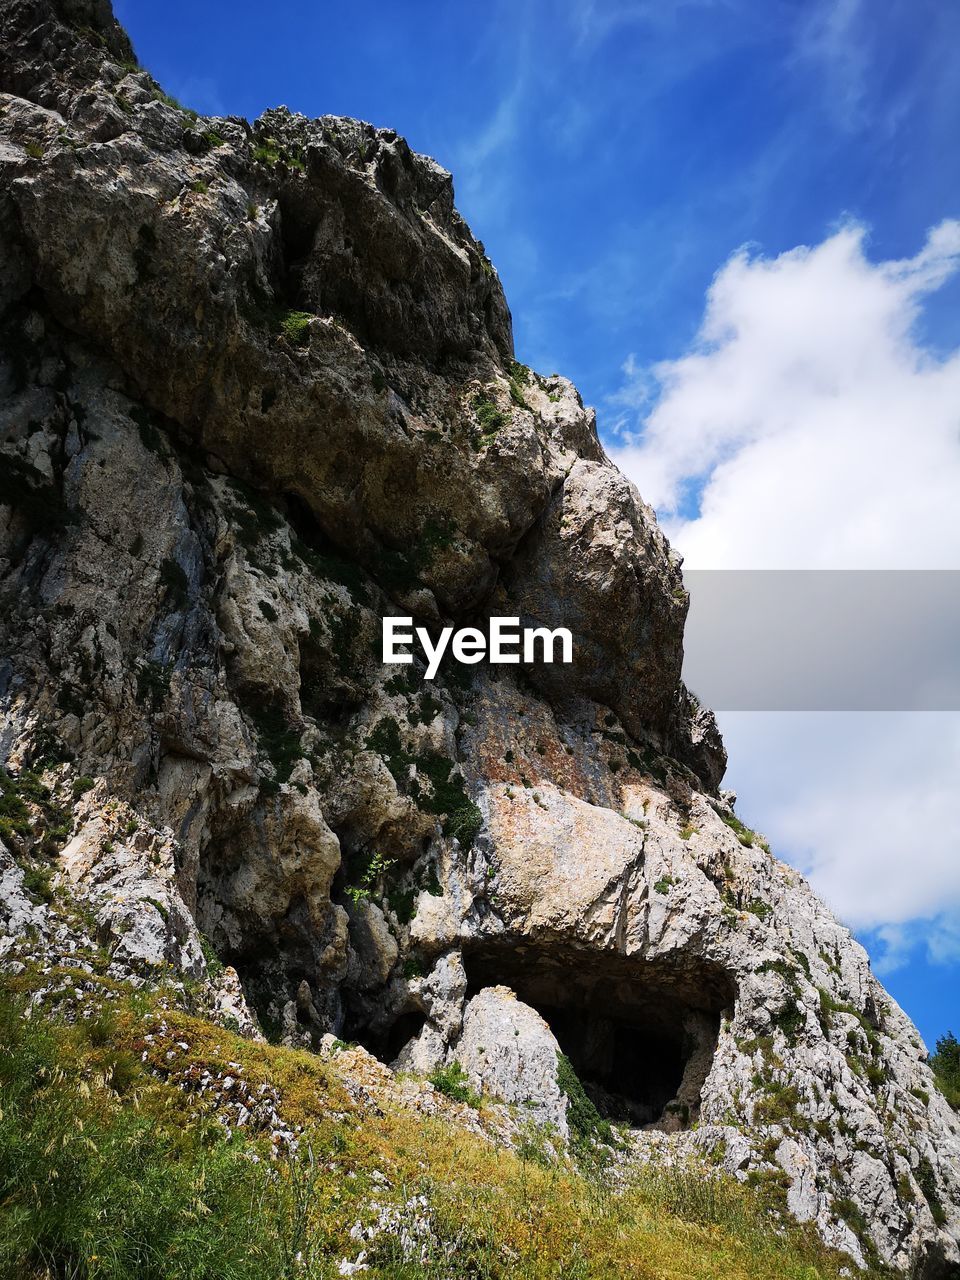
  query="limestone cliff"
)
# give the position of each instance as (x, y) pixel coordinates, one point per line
(257, 389)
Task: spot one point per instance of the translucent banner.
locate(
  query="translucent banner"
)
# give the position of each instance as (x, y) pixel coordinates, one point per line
(824, 640)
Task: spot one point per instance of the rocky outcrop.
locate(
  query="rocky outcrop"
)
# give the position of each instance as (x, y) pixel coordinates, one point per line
(257, 391)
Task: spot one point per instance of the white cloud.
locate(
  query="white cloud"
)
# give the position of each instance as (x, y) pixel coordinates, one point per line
(809, 427)
(822, 433)
(866, 806)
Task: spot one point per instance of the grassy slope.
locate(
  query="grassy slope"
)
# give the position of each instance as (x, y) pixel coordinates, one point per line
(105, 1171)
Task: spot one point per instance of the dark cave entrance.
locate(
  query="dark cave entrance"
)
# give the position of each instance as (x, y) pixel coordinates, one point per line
(641, 1035)
(406, 1028)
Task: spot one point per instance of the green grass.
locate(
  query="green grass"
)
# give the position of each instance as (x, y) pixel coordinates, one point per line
(779, 1106)
(489, 420)
(454, 1082)
(295, 327)
(91, 1186)
(266, 153)
(744, 834)
(586, 1124)
(169, 100)
(759, 908)
(437, 789)
(108, 1172)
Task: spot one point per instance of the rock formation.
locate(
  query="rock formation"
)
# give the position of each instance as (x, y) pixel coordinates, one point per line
(257, 389)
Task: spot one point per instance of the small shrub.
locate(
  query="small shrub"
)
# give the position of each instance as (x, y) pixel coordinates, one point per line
(454, 1082)
(876, 1074)
(213, 962)
(153, 683)
(489, 419)
(14, 813)
(26, 809)
(376, 867)
(34, 150)
(587, 1127)
(38, 502)
(791, 1020)
(402, 903)
(779, 1106)
(516, 395)
(927, 1182)
(151, 439)
(38, 882)
(295, 327)
(759, 908)
(81, 786)
(278, 740)
(266, 152)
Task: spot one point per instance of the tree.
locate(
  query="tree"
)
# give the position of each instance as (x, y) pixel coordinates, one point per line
(945, 1063)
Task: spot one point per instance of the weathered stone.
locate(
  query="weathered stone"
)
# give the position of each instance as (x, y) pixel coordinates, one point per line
(510, 1053)
(229, 356)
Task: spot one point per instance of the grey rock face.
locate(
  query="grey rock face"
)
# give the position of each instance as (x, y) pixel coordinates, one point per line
(19, 912)
(231, 355)
(509, 1051)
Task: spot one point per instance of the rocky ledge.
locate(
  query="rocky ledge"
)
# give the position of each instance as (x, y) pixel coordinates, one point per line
(257, 390)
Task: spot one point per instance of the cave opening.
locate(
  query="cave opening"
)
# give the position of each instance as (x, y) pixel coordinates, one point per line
(406, 1028)
(640, 1034)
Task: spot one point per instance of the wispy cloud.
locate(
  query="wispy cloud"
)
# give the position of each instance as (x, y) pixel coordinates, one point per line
(202, 93)
(832, 44)
(594, 21)
(894, 946)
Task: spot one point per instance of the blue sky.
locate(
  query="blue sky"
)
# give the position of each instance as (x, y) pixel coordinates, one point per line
(613, 155)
